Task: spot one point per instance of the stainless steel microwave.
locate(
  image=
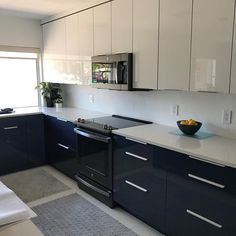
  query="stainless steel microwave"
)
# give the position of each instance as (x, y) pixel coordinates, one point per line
(113, 71)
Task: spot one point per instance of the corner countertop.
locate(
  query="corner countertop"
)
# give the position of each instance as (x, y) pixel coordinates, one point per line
(66, 113)
(216, 149)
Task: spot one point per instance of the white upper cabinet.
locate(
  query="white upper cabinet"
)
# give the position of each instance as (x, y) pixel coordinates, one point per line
(145, 43)
(233, 69)
(54, 51)
(122, 26)
(211, 45)
(174, 44)
(102, 29)
(85, 46)
(72, 49)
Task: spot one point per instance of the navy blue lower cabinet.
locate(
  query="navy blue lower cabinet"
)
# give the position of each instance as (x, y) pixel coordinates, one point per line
(36, 140)
(13, 145)
(61, 145)
(139, 184)
(194, 208)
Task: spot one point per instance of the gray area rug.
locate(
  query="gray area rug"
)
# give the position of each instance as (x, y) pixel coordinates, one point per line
(33, 184)
(75, 216)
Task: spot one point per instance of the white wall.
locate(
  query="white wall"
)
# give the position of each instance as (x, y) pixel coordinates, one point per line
(18, 31)
(156, 106)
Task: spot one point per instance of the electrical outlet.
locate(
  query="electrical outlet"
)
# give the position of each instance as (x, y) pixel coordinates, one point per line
(91, 98)
(175, 109)
(227, 116)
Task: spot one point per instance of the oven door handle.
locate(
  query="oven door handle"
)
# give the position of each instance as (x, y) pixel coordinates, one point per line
(92, 136)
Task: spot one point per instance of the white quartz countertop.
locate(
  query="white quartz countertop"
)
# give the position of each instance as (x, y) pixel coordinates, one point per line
(216, 149)
(66, 113)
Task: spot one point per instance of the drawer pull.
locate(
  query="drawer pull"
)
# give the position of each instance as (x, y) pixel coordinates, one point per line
(136, 156)
(11, 127)
(62, 119)
(135, 186)
(63, 146)
(206, 181)
(133, 140)
(210, 162)
(204, 219)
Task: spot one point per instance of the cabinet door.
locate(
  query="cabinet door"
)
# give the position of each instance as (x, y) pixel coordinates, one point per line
(145, 43)
(102, 29)
(72, 72)
(122, 26)
(233, 68)
(211, 45)
(36, 140)
(13, 144)
(174, 44)
(54, 51)
(85, 46)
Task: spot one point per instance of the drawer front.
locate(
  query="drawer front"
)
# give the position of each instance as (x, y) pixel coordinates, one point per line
(196, 209)
(61, 131)
(130, 155)
(64, 159)
(220, 176)
(142, 194)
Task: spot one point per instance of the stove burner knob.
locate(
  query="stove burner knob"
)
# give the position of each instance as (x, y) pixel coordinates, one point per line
(110, 127)
(105, 126)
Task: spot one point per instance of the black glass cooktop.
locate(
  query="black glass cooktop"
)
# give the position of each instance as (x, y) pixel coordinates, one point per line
(108, 123)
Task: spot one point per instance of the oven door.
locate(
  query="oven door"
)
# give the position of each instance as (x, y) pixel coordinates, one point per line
(94, 153)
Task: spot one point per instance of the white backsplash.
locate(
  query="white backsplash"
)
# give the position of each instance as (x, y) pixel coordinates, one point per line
(156, 106)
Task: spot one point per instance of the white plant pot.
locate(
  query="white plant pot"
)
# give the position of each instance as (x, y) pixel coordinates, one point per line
(58, 105)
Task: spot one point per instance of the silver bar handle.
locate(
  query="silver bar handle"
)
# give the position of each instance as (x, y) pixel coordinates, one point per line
(206, 181)
(96, 189)
(136, 156)
(207, 161)
(204, 219)
(63, 146)
(10, 127)
(62, 119)
(135, 186)
(136, 141)
(91, 135)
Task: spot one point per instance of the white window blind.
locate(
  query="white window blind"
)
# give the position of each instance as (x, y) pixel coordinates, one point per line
(18, 79)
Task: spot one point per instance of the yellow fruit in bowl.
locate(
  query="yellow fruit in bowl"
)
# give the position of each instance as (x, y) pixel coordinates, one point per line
(189, 122)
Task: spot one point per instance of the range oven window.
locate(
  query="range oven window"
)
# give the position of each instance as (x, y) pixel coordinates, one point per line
(93, 156)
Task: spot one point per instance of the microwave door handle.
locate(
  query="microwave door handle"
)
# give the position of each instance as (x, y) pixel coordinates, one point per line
(92, 136)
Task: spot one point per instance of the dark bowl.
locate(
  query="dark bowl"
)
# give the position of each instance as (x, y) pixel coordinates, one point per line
(189, 129)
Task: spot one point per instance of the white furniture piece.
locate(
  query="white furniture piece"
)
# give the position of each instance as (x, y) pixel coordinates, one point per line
(102, 29)
(233, 65)
(54, 51)
(122, 26)
(72, 72)
(85, 43)
(174, 44)
(211, 45)
(145, 43)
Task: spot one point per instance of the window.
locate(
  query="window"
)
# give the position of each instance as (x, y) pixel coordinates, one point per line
(18, 79)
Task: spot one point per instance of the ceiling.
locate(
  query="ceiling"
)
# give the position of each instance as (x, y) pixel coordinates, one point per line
(37, 9)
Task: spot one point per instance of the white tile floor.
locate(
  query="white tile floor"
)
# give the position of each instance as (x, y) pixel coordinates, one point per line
(119, 214)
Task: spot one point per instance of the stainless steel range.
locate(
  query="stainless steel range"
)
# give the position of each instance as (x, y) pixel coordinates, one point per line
(94, 153)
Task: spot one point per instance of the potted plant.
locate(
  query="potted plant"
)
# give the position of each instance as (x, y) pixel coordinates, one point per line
(49, 91)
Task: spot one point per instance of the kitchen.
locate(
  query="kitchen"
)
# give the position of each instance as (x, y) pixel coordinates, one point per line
(183, 67)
